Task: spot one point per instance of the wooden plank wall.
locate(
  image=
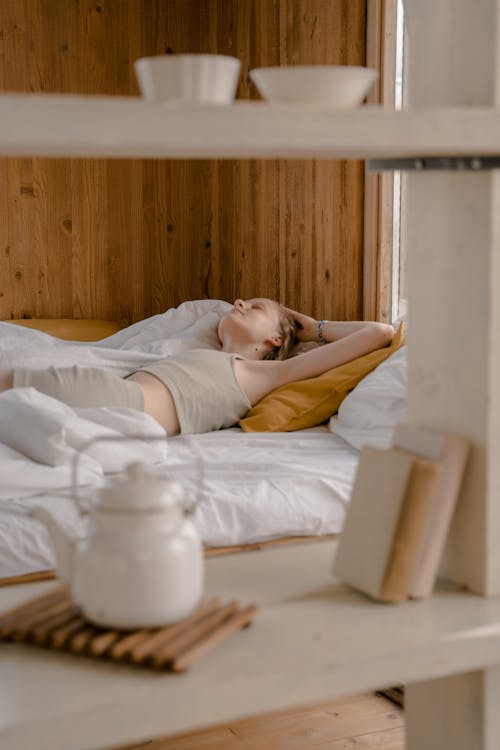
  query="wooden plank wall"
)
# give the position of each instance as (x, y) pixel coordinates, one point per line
(124, 239)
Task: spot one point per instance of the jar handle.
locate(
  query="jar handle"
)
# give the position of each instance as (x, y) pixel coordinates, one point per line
(145, 438)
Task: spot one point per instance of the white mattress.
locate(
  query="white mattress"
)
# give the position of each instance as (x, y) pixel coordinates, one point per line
(256, 486)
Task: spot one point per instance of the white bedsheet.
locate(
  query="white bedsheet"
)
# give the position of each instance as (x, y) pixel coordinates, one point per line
(256, 486)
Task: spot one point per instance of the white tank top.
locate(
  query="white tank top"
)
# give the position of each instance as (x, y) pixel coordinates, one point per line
(204, 389)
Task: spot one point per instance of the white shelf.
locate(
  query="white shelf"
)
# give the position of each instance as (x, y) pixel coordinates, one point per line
(311, 641)
(128, 127)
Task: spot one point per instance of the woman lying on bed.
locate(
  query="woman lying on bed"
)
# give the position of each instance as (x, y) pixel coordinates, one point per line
(200, 390)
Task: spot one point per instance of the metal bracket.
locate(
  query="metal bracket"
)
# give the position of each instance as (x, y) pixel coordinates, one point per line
(421, 163)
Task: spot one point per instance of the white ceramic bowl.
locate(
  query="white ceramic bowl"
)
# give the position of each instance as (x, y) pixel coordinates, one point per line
(195, 79)
(341, 86)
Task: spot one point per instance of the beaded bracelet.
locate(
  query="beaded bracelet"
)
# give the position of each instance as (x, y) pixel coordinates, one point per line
(321, 338)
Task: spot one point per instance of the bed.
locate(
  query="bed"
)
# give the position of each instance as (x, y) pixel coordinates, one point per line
(258, 487)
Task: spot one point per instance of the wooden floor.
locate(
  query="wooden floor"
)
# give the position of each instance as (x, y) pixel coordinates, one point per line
(361, 722)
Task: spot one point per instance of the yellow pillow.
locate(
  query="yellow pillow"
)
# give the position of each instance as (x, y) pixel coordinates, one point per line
(72, 330)
(307, 403)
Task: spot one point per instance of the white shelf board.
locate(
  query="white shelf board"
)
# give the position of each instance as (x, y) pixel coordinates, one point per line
(128, 127)
(312, 640)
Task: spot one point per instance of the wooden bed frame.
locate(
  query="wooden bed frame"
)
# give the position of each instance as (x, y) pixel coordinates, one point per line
(47, 575)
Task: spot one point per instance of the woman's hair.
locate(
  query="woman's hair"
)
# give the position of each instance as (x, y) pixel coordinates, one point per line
(288, 330)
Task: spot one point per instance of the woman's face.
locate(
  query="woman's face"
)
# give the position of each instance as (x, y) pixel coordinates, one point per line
(251, 321)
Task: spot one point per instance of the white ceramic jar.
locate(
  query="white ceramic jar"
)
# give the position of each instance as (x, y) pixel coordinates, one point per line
(141, 562)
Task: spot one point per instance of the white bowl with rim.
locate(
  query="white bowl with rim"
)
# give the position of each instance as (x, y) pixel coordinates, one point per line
(191, 79)
(340, 86)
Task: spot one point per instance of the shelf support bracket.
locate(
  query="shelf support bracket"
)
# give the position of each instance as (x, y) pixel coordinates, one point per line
(435, 163)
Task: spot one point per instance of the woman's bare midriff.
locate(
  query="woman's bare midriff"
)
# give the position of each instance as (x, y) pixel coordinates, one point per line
(158, 401)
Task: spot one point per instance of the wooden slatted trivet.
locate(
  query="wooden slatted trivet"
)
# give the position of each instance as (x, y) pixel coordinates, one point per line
(55, 622)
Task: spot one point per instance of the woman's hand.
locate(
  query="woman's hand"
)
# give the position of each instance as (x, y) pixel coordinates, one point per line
(307, 327)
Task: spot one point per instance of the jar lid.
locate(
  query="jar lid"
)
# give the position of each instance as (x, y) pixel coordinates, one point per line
(139, 490)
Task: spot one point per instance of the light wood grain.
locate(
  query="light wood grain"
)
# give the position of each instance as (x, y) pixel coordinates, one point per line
(379, 188)
(362, 721)
(122, 240)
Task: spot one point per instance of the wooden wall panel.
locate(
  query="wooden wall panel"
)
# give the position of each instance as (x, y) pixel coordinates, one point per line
(126, 239)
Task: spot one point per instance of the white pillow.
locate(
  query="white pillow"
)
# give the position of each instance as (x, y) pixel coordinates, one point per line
(368, 415)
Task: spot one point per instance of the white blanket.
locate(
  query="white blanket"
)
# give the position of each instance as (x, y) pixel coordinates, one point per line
(256, 486)
(39, 435)
(191, 325)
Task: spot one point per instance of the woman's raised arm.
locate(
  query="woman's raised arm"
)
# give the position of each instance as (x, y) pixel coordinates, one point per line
(345, 341)
(310, 329)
